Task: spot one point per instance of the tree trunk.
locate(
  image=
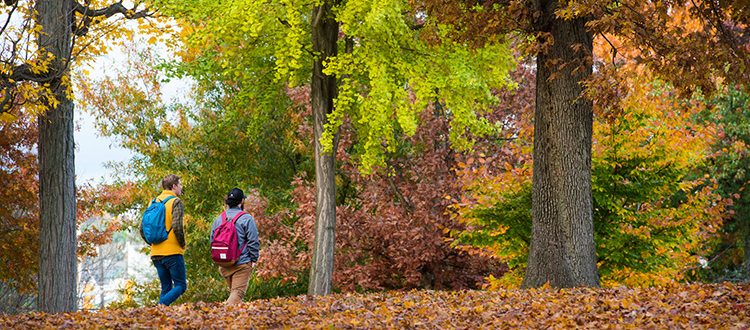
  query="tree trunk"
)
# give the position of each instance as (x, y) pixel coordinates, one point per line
(562, 251)
(744, 220)
(57, 195)
(325, 31)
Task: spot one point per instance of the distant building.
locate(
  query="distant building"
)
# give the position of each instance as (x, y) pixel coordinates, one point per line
(100, 278)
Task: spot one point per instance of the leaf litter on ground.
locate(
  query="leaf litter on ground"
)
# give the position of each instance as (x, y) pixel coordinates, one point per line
(688, 306)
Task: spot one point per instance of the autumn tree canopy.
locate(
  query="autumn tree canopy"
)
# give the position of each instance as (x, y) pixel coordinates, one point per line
(373, 63)
(405, 144)
(243, 77)
(42, 41)
(695, 55)
(652, 211)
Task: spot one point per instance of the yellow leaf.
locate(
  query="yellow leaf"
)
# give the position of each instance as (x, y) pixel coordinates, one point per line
(6, 117)
(152, 40)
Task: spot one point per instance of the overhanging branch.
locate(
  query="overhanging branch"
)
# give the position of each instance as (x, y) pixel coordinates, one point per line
(23, 72)
(111, 10)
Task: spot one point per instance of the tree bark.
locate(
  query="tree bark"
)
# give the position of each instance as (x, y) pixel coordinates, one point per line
(57, 199)
(562, 251)
(745, 223)
(323, 91)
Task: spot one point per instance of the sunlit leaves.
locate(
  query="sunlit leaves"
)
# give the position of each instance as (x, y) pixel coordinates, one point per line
(394, 72)
(390, 74)
(650, 215)
(33, 78)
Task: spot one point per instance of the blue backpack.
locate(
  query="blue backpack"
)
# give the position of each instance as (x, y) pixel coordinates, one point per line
(154, 228)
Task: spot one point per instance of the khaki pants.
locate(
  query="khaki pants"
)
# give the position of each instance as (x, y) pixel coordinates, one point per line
(237, 278)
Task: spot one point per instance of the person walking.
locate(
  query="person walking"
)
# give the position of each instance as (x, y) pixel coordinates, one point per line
(167, 256)
(238, 275)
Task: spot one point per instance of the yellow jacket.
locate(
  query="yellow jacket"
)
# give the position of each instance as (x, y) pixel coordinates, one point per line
(175, 243)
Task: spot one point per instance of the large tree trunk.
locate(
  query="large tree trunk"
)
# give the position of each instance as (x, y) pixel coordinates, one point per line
(325, 31)
(57, 199)
(562, 251)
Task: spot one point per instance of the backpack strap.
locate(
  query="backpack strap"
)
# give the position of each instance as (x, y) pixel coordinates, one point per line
(239, 214)
(165, 200)
(224, 216)
(165, 204)
(235, 220)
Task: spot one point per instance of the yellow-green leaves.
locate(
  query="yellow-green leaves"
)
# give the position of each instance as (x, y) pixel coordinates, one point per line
(290, 50)
(391, 71)
(396, 72)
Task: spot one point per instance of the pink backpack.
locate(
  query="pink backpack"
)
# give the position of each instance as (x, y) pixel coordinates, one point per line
(224, 248)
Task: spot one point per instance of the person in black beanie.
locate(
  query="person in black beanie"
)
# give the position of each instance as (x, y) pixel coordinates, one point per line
(238, 275)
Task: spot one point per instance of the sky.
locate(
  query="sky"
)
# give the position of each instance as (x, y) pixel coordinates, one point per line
(94, 151)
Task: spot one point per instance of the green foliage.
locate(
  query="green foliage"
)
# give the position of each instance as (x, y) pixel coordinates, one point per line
(729, 166)
(277, 287)
(650, 217)
(214, 144)
(390, 64)
(137, 295)
(395, 71)
(505, 227)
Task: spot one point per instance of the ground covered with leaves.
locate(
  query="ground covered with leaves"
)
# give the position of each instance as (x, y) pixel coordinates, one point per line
(718, 306)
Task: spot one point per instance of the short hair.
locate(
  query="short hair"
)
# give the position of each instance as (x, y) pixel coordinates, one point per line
(169, 181)
(231, 202)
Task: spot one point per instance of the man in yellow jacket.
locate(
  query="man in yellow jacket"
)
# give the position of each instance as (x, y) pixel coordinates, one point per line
(167, 256)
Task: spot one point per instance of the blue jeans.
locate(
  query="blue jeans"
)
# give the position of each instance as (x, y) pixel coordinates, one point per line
(171, 270)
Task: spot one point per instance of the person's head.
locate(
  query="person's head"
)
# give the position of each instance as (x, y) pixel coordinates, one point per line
(235, 197)
(172, 182)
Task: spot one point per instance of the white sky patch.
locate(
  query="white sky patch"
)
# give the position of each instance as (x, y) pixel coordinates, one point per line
(93, 151)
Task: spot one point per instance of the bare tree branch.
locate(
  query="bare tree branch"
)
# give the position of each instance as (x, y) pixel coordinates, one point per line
(284, 22)
(614, 49)
(10, 14)
(113, 9)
